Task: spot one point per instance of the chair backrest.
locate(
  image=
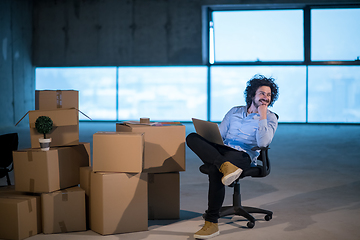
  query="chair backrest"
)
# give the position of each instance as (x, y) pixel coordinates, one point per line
(8, 143)
(263, 168)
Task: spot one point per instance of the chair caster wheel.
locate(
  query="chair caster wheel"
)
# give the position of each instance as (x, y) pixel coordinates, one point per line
(268, 217)
(250, 224)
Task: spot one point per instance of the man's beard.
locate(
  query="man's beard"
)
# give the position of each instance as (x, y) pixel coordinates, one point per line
(261, 100)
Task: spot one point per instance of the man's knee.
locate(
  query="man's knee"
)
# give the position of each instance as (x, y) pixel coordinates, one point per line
(191, 138)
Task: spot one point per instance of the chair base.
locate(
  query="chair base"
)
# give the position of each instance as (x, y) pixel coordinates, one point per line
(245, 212)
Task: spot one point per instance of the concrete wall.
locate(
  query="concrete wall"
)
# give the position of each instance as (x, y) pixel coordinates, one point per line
(113, 32)
(16, 70)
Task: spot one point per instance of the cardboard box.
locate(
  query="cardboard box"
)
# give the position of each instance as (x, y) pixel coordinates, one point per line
(54, 99)
(26, 196)
(118, 152)
(18, 217)
(65, 130)
(164, 195)
(85, 184)
(118, 202)
(63, 211)
(47, 171)
(164, 146)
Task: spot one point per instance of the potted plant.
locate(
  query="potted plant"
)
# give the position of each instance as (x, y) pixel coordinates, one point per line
(44, 125)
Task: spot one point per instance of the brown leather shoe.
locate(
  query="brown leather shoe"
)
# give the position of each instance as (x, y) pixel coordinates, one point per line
(209, 230)
(231, 173)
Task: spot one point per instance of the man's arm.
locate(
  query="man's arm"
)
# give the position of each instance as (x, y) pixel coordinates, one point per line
(266, 129)
(225, 123)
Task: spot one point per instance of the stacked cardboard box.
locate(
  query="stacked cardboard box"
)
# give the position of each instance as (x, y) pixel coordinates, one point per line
(134, 176)
(47, 181)
(164, 158)
(116, 186)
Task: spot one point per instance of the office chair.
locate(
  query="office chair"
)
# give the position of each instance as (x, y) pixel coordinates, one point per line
(261, 170)
(8, 143)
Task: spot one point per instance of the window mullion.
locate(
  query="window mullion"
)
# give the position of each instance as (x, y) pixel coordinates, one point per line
(307, 35)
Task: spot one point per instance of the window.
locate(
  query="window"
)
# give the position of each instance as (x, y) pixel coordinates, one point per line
(96, 86)
(320, 86)
(229, 83)
(335, 34)
(275, 35)
(162, 93)
(128, 93)
(333, 94)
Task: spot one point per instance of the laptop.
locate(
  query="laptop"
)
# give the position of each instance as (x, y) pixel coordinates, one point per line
(208, 130)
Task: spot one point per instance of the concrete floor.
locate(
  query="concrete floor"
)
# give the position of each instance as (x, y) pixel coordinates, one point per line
(313, 189)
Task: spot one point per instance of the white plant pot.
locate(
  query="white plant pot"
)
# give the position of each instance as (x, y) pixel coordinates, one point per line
(45, 144)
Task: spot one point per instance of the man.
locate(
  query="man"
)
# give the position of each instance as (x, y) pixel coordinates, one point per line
(242, 129)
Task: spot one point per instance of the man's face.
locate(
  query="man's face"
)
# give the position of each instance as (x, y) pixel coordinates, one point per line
(262, 96)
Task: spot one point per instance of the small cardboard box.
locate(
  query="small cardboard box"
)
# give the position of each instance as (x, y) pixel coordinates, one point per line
(23, 195)
(19, 217)
(63, 211)
(118, 152)
(164, 145)
(118, 202)
(65, 130)
(164, 195)
(47, 171)
(54, 99)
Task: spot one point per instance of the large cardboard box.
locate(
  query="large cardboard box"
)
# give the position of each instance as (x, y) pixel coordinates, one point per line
(63, 211)
(118, 152)
(65, 130)
(164, 145)
(118, 202)
(47, 171)
(164, 195)
(53, 99)
(19, 217)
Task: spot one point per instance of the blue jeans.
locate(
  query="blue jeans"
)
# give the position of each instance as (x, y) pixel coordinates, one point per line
(214, 155)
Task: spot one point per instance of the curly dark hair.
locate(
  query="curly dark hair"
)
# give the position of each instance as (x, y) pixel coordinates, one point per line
(258, 81)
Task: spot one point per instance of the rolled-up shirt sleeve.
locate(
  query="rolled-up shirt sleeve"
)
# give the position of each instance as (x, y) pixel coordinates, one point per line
(266, 130)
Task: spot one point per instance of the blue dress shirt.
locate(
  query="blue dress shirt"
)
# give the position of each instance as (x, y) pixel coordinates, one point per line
(244, 131)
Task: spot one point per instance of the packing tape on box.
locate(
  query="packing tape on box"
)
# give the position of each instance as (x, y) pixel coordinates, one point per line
(64, 195)
(58, 98)
(30, 233)
(32, 185)
(62, 227)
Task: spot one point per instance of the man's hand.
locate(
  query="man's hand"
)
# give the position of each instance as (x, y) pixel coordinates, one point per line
(262, 110)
